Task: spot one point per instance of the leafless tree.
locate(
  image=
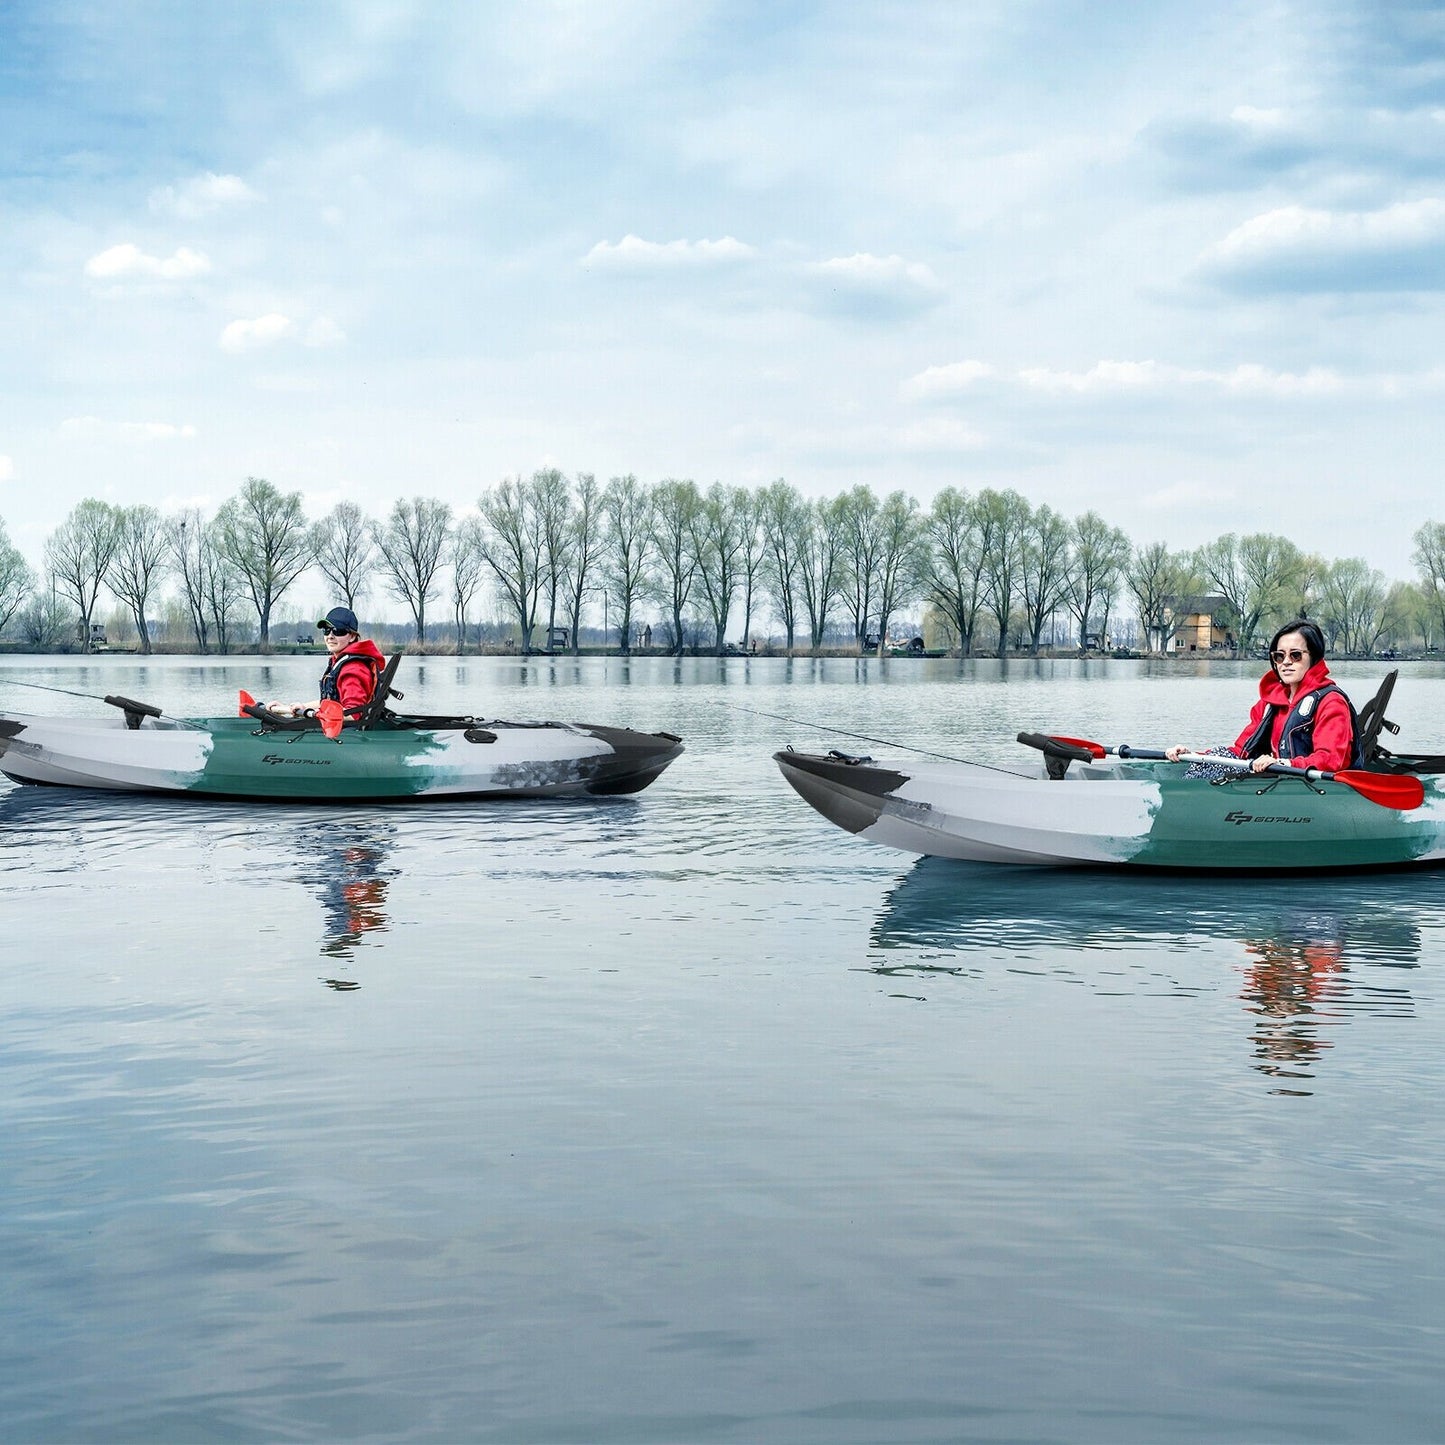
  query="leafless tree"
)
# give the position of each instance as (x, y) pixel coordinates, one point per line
(345, 552)
(264, 536)
(141, 559)
(410, 544)
(821, 564)
(626, 548)
(1101, 554)
(953, 563)
(1045, 571)
(783, 519)
(583, 548)
(675, 508)
(1003, 519)
(78, 555)
(464, 553)
(512, 545)
(16, 579)
(900, 558)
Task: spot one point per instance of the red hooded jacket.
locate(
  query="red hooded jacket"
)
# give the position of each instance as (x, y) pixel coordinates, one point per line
(1334, 731)
(356, 680)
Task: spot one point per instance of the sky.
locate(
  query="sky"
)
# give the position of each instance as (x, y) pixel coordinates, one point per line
(1181, 264)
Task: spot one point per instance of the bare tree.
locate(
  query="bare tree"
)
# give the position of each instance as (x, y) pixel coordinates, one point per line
(784, 517)
(78, 555)
(1045, 572)
(1003, 519)
(264, 536)
(821, 564)
(1429, 559)
(1353, 597)
(345, 551)
(410, 544)
(717, 539)
(224, 586)
(675, 508)
(953, 563)
(583, 547)
(859, 541)
(16, 579)
(626, 548)
(512, 546)
(900, 558)
(553, 504)
(46, 622)
(752, 553)
(1101, 553)
(141, 558)
(464, 553)
(1158, 579)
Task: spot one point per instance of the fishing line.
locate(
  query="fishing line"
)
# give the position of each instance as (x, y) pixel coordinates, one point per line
(89, 696)
(864, 738)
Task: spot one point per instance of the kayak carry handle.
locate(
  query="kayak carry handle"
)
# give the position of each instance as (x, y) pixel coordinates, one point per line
(134, 711)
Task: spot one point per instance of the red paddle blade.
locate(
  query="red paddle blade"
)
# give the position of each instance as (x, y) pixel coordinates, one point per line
(330, 716)
(246, 701)
(1096, 748)
(1389, 790)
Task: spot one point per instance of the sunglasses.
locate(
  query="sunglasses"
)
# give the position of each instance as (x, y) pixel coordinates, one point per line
(1293, 655)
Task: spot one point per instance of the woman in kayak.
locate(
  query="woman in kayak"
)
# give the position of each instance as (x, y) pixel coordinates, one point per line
(1302, 717)
(353, 666)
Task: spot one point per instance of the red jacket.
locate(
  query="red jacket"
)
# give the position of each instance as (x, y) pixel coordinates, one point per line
(355, 679)
(1334, 732)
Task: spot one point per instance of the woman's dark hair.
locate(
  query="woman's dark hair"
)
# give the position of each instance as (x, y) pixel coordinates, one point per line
(1310, 631)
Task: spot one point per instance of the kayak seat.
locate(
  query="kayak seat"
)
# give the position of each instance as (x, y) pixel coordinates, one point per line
(1372, 721)
(375, 710)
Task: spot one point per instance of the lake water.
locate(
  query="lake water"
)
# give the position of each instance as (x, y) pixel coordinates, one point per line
(689, 1117)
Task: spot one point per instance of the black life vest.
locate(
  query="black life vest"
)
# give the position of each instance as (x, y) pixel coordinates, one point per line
(1297, 739)
(330, 692)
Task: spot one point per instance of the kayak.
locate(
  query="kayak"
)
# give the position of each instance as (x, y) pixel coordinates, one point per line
(1120, 812)
(266, 757)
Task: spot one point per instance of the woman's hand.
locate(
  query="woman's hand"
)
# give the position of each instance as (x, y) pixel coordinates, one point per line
(1176, 752)
(1263, 761)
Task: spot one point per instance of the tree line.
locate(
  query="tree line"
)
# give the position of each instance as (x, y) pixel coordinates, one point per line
(994, 571)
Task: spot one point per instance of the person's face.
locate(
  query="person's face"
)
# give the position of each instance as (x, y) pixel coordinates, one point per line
(1291, 658)
(338, 641)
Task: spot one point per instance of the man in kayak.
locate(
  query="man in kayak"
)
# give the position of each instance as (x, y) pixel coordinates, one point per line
(1302, 717)
(353, 666)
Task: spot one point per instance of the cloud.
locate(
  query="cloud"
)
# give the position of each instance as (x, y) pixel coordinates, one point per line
(1133, 378)
(1299, 248)
(1184, 494)
(93, 427)
(873, 286)
(127, 261)
(944, 381)
(633, 254)
(253, 334)
(7, 469)
(200, 196)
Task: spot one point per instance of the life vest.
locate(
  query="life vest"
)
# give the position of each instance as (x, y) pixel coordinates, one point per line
(1297, 739)
(330, 692)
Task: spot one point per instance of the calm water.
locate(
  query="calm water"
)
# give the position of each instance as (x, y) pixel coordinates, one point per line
(688, 1117)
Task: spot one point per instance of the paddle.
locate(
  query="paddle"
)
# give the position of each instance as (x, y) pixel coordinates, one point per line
(1389, 790)
(329, 713)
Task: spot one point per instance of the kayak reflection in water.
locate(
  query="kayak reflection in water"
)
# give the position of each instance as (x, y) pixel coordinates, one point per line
(354, 886)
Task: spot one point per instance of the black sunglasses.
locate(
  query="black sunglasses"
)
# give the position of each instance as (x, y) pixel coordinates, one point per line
(1294, 655)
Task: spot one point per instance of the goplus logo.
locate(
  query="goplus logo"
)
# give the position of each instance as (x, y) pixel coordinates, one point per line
(273, 758)
(1237, 817)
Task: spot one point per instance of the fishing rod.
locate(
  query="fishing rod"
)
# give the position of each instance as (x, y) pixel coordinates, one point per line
(126, 704)
(864, 738)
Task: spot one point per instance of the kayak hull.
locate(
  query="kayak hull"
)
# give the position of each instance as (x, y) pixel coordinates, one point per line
(237, 758)
(1133, 815)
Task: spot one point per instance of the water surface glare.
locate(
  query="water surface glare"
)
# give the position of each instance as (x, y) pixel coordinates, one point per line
(689, 1117)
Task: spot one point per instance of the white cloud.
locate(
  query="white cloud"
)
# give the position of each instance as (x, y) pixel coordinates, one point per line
(632, 253)
(1125, 377)
(93, 427)
(251, 335)
(201, 195)
(1309, 249)
(1253, 115)
(128, 261)
(944, 381)
(7, 469)
(877, 275)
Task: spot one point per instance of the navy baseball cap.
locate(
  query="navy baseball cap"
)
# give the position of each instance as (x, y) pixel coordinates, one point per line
(339, 619)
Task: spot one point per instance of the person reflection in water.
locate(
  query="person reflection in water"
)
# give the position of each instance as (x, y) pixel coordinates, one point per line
(1290, 982)
(353, 893)
(1302, 716)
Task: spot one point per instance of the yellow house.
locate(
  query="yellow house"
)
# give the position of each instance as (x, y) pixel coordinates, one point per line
(1197, 628)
